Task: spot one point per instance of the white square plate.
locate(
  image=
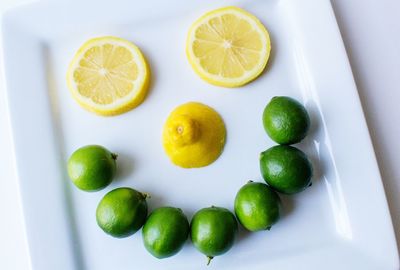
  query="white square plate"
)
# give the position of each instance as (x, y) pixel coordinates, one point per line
(342, 222)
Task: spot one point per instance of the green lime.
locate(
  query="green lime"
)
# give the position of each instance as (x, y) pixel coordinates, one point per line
(286, 169)
(213, 231)
(165, 232)
(257, 206)
(92, 167)
(122, 212)
(286, 120)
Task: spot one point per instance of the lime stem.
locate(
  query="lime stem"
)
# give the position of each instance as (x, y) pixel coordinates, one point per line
(209, 258)
(250, 181)
(114, 156)
(146, 195)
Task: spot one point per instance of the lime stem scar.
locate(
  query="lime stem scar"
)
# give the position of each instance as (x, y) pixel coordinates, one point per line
(146, 195)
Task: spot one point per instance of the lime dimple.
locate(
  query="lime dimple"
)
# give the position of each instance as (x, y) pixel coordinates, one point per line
(213, 231)
(165, 232)
(122, 212)
(92, 167)
(286, 169)
(286, 120)
(257, 206)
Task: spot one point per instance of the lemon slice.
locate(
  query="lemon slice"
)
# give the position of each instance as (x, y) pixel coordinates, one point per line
(108, 76)
(228, 47)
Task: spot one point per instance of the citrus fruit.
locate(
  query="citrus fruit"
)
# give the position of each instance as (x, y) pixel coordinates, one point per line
(228, 47)
(213, 231)
(286, 169)
(92, 167)
(122, 212)
(108, 76)
(257, 206)
(286, 120)
(194, 135)
(165, 232)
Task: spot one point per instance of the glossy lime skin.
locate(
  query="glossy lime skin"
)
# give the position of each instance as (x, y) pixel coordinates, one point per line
(285, 120)
(165, 232)
(92, 167)
(213, 230)
(286, 169)
(122, 212)
(257, 206)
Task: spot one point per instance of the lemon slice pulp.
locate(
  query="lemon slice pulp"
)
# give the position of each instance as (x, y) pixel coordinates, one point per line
(108, 76)
(228, 47)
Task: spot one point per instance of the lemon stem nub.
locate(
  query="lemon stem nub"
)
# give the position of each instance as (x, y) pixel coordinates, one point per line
(209, 258)
(185, 130)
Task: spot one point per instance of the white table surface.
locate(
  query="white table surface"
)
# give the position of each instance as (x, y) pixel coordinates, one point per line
(371, 32)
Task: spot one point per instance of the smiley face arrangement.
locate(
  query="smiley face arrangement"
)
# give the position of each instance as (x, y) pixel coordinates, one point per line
(226, 47)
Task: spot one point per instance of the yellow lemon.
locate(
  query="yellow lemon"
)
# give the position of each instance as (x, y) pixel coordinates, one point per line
(194, 135)
(108, 76)
(228, 47)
